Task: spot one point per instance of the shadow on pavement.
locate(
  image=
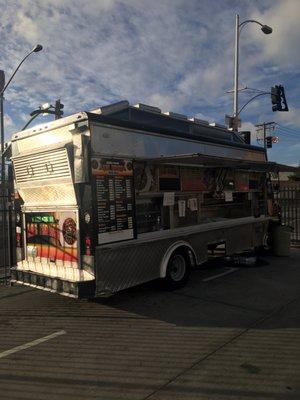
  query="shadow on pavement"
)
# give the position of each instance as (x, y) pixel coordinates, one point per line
(233, 300)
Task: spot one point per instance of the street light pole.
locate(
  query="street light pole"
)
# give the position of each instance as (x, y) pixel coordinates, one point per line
(3, 191)
(3, 187)
(236, 67)
(238, 27)
(4, 86)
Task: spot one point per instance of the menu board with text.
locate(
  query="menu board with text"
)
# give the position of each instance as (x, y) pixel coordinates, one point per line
(113, 180)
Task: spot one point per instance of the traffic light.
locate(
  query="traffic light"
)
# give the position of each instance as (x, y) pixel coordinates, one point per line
(269, 141)
(278, 98)
(58, 109)
(275, 98)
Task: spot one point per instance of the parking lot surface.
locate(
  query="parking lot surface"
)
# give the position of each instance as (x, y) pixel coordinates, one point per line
(223, 336)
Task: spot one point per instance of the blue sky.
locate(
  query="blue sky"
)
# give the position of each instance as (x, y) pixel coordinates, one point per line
(174, 54)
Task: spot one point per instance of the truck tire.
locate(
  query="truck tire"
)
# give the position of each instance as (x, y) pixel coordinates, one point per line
(178, 271)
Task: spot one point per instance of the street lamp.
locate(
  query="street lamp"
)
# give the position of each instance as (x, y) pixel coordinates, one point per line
(36, 49)
(3, 87)
(238, 27)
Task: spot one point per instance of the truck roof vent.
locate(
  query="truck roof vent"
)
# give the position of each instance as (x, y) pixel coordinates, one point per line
(146, 107)
(111, 108)
(215, 125)
(199, 121)
(176, 115)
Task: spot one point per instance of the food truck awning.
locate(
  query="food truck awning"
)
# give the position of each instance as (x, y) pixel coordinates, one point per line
(222, 162)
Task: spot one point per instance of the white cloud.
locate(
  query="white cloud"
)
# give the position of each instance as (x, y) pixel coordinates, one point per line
(290, 118)
(173, 54)
(165, 102)
(8, 121)
(281, 46)
(249, 126)
(110, 50)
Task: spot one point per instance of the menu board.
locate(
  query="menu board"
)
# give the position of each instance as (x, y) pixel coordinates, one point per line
(114, 195)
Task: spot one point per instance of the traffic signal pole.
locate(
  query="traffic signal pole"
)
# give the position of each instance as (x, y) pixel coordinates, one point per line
(266, 127)
(56, 110)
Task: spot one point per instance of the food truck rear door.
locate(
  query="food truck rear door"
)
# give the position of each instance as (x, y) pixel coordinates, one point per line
(51, 237)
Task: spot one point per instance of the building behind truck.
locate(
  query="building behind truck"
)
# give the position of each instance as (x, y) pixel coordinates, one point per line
(122, 195)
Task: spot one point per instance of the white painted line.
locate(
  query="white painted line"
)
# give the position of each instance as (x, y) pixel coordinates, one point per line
(31, 344)
(219, 275)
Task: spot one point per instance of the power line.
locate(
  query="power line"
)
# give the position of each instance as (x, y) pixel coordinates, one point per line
(287, 133)
(288, 129)
(289, 142)
(284, 139)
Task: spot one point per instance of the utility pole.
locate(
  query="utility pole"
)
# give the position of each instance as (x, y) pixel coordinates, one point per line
(266, 128)
(4, 181)
(3, 204)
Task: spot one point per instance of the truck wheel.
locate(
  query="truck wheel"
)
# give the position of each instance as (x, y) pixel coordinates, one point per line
(178, 271)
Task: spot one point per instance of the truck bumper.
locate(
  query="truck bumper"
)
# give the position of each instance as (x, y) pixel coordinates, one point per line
(76, 289)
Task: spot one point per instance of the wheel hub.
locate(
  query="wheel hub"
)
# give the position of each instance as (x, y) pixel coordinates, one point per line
(177, 268)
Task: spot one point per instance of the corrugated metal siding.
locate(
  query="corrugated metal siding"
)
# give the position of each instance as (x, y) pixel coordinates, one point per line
(42, 166)
(45, 178)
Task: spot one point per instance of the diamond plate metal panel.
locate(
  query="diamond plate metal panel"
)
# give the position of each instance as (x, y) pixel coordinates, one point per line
(124, 267)
(49, 195)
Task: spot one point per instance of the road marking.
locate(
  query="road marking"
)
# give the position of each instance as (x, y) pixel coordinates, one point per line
(219, 275)
(31, 344)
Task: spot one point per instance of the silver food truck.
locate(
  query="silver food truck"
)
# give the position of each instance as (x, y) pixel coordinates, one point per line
(122, 195)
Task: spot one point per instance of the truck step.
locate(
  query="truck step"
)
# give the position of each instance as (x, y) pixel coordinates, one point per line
(78, 290)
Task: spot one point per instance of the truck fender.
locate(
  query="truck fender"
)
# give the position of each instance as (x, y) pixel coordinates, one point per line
(170, 251)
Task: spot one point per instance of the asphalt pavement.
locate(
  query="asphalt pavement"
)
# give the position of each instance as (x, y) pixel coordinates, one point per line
(231, 333)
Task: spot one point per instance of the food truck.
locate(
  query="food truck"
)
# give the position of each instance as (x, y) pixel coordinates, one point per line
(122, 195)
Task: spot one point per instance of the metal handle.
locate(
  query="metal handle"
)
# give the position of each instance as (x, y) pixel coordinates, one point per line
(30, 170)
(49, 167)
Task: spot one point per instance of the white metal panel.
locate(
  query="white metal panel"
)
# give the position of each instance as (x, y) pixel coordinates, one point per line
(45, 178)
(41, 166)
